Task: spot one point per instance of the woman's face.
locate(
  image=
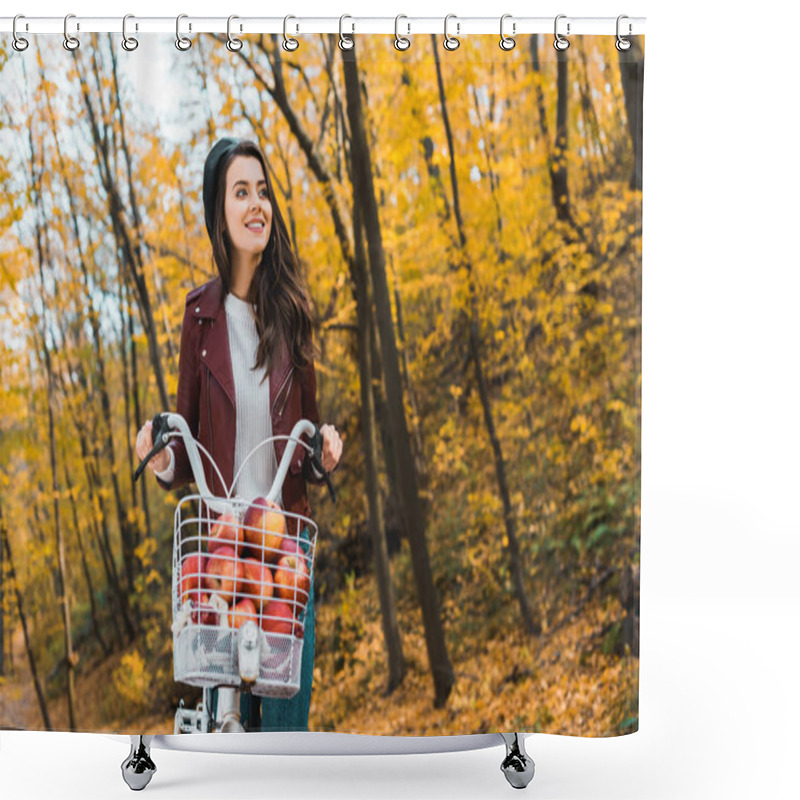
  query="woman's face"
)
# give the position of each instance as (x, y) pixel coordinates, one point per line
(248, 212)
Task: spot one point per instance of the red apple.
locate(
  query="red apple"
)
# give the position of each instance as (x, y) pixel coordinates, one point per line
(192, 567)
(241, 612)
(264, 529)
(224, 574)
(290, 573)
(226, 532)
(278, 618)
(258, 581)
(290, 547)
(203, 612)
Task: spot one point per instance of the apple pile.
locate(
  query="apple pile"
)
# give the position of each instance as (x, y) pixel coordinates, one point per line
(254, 567)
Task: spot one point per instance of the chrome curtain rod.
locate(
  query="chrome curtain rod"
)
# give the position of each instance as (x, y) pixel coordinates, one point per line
(407, 26)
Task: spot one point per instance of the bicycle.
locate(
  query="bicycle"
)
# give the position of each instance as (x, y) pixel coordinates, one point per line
(254, 645)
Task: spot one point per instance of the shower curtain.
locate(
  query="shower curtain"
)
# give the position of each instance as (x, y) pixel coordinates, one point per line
(466, 227)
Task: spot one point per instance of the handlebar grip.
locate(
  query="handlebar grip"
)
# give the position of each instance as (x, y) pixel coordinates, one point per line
(316, 460)
(160, 427)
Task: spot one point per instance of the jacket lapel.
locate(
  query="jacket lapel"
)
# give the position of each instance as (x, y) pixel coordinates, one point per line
(215, 350)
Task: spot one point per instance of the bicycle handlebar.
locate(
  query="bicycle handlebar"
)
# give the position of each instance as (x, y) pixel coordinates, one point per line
(164, 424)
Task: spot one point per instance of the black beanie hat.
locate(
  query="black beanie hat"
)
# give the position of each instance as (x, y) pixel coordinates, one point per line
(210, 176)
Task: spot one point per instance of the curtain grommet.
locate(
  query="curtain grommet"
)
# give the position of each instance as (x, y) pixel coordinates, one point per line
(560, 42)
(20, 43)
(507, 42)
(289, 44)
(401, 43)
(129, 43)
(346, 42)
(450, 42)
(70, 42)
(183, 43)
(233, 44)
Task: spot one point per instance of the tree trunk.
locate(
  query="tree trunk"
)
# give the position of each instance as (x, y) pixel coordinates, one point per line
(512, 547)
(411, 505)
(375, 523)
(24, 622)
(556, 153)
(382, 416)
(631, 65)
(85, 564)
(116, 584)
(416, 429)
(37, 529)
(63, 584)
(95, 499)
(558, 168)
(130, 430)
(137, 410)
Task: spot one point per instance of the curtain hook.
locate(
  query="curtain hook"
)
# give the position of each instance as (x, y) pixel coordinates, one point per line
(182, 42)
(401, 43)
(70, 42)
(560, 42)
(506, 42)
(346, 42)
(129, 43)
(233, 44)
(19, 43)
(623, 44)
(450, 42)
(289, 44)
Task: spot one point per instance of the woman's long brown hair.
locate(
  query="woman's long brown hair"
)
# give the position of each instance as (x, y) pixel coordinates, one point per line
(278, 289)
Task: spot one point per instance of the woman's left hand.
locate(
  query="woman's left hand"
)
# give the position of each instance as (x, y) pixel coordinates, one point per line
(331, 447)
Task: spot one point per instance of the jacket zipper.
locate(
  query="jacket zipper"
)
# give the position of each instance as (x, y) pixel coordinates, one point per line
(286, 399)
(210, 430)
(280, 389)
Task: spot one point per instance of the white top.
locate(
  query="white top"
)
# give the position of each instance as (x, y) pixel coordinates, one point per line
(253, 417)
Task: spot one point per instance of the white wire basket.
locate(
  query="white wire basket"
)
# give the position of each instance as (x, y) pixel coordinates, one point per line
(251, 563)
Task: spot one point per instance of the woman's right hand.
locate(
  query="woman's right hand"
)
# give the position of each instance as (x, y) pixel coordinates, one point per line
(144, 444)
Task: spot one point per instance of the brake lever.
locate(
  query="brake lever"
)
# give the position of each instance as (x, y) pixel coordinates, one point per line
(160, 428)
(316, 460)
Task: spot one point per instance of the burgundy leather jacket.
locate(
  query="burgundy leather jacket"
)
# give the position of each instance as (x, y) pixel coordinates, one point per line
(206, 399)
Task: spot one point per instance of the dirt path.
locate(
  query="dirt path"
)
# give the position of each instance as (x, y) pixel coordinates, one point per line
(19, 707)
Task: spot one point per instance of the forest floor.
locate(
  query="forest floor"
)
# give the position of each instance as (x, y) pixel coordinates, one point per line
(19, 706)
(560, 682)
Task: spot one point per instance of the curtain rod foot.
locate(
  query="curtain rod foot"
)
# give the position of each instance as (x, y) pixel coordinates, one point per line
(138, 768)
(518, 766)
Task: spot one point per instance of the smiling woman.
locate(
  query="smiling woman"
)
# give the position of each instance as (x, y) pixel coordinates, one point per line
(256, 310)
